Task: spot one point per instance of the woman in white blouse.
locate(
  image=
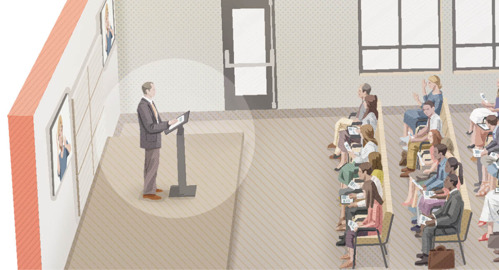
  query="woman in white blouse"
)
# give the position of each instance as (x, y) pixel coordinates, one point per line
(370, 144)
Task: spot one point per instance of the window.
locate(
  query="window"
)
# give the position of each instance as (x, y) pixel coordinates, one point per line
(475, 34)
(396, 35)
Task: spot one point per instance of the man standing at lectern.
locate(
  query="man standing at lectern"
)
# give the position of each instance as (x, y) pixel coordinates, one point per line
(151, 127)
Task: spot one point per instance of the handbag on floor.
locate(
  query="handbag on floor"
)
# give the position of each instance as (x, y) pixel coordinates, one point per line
(441, 258)
(493, 240)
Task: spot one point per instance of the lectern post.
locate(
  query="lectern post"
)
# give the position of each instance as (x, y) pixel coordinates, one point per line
(182, 189)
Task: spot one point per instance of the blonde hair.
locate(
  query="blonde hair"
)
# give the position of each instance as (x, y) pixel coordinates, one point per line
(107, 10)
(59, 126)
(436, 80)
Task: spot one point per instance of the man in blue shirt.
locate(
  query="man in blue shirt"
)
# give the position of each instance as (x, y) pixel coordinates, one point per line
(437, 180)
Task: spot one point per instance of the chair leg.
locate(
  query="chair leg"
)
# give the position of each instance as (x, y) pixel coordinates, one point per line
(354, 251)
(461, 247)
(386, 250)
(382, 251)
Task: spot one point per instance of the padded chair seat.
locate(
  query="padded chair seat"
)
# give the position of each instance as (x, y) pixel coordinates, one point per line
(368, 240)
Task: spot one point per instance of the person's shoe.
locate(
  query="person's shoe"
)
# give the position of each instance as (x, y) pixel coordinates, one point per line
(496, 260)
(159, 190)
(474, 159)
(341, 243)
(331, 145)
(471, 146)
(153, 197)
(481, 223)
(477, 184)
(405, 169)
(423, 261)
(496, 251)
(347, 264)
(483, 238)
(414, 221)
(469, 132)
(476, 189)
(342, 236)
(417, 235)
(334, 156)
(416, 228)
(345, 257)
(419, 255)
(406, 174)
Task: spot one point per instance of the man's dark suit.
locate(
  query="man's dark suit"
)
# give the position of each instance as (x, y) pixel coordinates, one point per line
(150, 140)
(445, 216)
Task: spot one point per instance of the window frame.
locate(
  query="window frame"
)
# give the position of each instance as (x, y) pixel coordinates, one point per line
(455, 46)
(400, 47)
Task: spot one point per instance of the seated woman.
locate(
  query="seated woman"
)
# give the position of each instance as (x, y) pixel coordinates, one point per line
(426, 169)
(349, 170)
(370, 118)
(489, 181)
(374, 204)
(377, 167)
(411, 116)
(479, 114)
(451, 167)
(489, 215)
(479, 136)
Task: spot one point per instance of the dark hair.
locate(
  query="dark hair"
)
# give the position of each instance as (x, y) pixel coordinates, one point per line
(453, 179)
(371, 193)
(442, 148)
(454, 164)
(429, 102)
(372, 105)
(366, 88)
(491, 119)
(375, 160)
(366, 168)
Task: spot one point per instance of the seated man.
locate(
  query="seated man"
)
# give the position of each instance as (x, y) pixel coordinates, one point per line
(343, 123)
(444, 221)
(434, 122)
(365, 174)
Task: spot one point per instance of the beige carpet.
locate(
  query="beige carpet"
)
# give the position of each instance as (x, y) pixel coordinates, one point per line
(121, 230)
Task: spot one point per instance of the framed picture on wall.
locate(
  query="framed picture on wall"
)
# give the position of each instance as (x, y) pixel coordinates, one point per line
(61, 150)
(107, 29)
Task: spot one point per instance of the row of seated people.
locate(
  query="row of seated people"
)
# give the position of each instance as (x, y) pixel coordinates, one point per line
(484, 143)
(365, 198)
(433, 194)
(367, 195)
(487, 152)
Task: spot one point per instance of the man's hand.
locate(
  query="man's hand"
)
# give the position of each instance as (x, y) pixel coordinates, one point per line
(172, 122)
(352, 196)
(424, 187)
(485, 152)
(352, 205)
(430, 223)
(427, 171)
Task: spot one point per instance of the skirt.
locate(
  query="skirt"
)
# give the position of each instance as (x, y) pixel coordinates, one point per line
(479, 114)
(412, 116)
(348, 172)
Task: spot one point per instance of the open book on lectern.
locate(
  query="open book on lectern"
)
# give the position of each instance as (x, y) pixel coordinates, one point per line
(181, 120)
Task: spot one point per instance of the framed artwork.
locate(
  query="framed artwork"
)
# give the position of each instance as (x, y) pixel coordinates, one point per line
(61, 150)
(107, 29)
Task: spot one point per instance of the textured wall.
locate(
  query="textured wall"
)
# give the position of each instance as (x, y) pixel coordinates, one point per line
(317, 56)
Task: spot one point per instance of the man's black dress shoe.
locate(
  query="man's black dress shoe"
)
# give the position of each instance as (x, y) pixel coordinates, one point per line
(423, 261)
(341, 243)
